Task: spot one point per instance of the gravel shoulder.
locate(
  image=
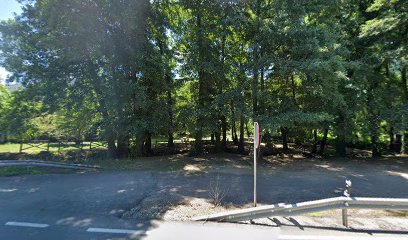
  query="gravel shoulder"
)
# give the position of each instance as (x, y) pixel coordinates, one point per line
(189, 192)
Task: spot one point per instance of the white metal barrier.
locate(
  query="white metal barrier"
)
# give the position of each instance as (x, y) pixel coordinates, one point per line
(309, 207)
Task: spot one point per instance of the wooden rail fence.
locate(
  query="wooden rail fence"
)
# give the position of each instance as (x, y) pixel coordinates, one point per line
(45, 145)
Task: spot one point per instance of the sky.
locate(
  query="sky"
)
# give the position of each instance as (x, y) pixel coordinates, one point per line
(7, 8)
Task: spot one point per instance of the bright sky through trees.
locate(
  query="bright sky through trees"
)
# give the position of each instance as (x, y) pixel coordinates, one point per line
(7, 8)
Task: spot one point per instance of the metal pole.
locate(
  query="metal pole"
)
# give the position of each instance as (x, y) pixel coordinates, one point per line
(345, 219)
(255, 155)
(256, 126)
(346, 193)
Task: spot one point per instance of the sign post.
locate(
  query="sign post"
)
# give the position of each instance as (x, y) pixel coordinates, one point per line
(257, 143)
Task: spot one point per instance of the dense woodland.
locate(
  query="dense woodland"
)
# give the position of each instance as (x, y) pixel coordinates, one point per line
(126, 71)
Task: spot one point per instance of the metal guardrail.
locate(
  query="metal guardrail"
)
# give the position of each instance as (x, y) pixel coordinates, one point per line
(308, 207)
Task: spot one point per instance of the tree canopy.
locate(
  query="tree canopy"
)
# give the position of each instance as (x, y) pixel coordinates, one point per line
(126, 71)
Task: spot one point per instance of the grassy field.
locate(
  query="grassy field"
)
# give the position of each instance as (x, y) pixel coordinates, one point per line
(18, 171)
(31, 170)
(15, 147)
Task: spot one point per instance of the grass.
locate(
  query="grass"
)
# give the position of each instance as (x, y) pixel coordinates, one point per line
(396, 213)
(15, 147)
(19, 171)
(9, 147)
(142, 163)
(32, 170)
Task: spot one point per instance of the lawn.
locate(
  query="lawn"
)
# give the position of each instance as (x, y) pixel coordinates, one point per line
(15, 147)
(18, 171)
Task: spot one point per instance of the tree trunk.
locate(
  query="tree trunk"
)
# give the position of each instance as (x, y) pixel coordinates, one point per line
(148, 143)
(374, 145)
(235, 135)
(202, 88)
(218, 146)
(255, 84)
(293, 87)
(169, 99)
(268, 141)
(139, 147)
(341, 136)
(224, 132)
(404, 82)
(324, 141)
(111, 147)
(241, 148)
(392, 139)
(373, 115)
(405, 91)
(398, 143)
(315, 141)
(233, 128)
(284, 134)
(247, 130)
(170, 142)
(123, 147)
(102, 108)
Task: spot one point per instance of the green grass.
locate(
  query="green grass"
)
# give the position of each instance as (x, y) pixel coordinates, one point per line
(15, 147)
(18, 171)
(31, 170)
(9, 147)
(397, 213)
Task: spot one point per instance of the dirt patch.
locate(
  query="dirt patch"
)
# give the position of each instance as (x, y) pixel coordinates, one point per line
(154, 205)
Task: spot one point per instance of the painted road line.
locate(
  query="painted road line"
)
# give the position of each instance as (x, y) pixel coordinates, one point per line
(340, 237)
(119, 231)
(27, 224)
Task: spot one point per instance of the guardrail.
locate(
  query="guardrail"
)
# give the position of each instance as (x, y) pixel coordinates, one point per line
(282, 209)
(308, 207)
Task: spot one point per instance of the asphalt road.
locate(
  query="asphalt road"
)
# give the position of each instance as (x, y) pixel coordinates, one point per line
(89, 205)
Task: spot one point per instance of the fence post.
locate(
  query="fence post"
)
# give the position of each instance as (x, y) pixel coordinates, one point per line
(21, 147)
(90, 145)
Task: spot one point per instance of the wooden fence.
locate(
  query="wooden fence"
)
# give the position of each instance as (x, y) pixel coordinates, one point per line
(45, 145)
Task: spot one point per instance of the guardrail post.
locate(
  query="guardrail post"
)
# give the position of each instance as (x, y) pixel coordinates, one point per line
(346, 193)
(345, 219)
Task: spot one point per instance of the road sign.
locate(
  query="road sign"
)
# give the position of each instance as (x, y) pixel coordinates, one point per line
(257, 135)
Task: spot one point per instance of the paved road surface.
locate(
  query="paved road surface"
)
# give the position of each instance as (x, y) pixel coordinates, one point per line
(88, 206)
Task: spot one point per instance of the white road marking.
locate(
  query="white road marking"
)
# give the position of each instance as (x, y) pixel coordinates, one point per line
(110, 230)
(27, 224)
(342, 237)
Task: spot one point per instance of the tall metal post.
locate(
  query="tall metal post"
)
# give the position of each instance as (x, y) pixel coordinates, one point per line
(255, 156)
(256, 146)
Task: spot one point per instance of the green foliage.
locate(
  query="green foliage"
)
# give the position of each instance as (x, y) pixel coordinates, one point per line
(122, 71)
